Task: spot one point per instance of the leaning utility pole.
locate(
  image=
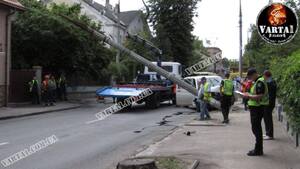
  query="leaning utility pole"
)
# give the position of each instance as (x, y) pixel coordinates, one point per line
(119, 36)
(241, 42)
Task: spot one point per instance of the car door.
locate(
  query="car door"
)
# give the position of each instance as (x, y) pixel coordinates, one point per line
(183, 97)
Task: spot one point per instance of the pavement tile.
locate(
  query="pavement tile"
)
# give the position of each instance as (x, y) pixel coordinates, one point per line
(226, 147)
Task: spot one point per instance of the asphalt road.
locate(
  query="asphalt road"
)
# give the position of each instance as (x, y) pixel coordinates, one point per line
(83, 144)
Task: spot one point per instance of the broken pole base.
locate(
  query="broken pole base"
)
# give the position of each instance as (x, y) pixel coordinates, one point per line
(137, 164)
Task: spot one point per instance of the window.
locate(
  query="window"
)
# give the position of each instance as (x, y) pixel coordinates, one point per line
(167, 68)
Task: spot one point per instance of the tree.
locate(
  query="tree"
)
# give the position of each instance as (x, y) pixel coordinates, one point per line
(172, 21)
(40, 36)
(197, 52)
(286, 72)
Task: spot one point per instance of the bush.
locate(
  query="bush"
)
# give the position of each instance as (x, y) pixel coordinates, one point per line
(287, 75)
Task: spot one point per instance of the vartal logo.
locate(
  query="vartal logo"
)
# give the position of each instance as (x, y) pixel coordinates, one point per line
(277, 23)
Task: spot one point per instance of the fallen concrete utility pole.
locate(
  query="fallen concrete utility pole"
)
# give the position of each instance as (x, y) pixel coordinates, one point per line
(136, 57)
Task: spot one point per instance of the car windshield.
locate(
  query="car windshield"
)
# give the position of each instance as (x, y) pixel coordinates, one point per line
(215, 81)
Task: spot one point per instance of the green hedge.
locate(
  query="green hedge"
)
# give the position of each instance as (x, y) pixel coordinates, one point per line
(287, 75)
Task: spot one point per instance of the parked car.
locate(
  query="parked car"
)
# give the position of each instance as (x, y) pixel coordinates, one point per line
(184, 98)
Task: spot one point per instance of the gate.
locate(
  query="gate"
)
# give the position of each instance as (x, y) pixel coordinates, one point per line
(19, 88)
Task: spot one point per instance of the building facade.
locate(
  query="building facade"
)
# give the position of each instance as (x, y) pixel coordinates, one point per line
(113, 24)
(217, 67)
(7, 10)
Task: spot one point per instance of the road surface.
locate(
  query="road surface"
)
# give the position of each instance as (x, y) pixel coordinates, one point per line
(84, 144)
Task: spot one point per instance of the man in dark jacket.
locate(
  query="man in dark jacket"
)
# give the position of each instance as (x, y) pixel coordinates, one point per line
(272, 88)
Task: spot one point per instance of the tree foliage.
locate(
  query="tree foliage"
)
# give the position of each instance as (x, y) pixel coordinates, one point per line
(197, 52)
(40, 36)
(287, 74)
(172, 21)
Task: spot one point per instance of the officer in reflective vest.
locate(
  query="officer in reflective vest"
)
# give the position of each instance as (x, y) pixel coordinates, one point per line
(258, 99)
(226, 90)
(204, 96)
(34, 90)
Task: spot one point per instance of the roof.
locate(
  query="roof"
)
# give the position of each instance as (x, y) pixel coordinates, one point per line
(13, 4)
(128, 16)
(106, 12)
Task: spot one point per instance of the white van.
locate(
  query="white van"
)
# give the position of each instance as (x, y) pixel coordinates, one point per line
(171, 67)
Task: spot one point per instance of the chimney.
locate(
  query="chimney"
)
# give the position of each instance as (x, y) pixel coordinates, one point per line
(107, 3)
(117, 9)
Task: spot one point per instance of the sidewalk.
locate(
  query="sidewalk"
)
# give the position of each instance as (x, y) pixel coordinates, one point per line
(28, 110)
(218, 146)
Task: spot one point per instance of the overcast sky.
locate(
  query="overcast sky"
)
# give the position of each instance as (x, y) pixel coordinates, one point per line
(218, 21)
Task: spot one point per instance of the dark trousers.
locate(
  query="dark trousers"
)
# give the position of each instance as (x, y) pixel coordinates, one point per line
(256, 115)
(46, 97)
(268, 119)
(52, 95)
(225, 106)
(35, 99)
(245, 101)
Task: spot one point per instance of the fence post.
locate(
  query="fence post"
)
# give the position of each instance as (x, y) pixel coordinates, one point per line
(279, 113)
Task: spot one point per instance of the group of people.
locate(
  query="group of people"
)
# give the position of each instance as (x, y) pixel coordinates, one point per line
(204, 97)
(259, 96)
(50, 89)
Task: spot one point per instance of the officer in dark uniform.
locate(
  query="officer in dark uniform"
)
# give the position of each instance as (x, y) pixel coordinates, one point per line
(226, 91)
(268, 119)
(258, 100)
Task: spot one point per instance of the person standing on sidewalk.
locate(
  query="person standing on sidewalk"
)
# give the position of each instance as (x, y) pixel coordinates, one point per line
(226, 91)
(258, 99)
(246, 85)
(205, 96)
(45, 90)
(52, 89)
(34, 90)
(268, 118)
(62, 87)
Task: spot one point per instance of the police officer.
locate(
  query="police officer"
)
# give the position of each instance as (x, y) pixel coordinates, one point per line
(258, 99)
(205, 97)
(226, 91)
(34, 90)
(268, 119)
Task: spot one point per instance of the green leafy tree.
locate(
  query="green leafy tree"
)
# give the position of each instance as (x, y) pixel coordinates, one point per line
(40, 36)
(172, 21)
(287, 74)
(197, 52)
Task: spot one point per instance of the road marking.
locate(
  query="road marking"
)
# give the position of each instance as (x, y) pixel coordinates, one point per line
(4, 143)
(93, 121)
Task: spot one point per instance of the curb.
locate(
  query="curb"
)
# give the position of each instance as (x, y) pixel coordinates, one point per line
(39, 112)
